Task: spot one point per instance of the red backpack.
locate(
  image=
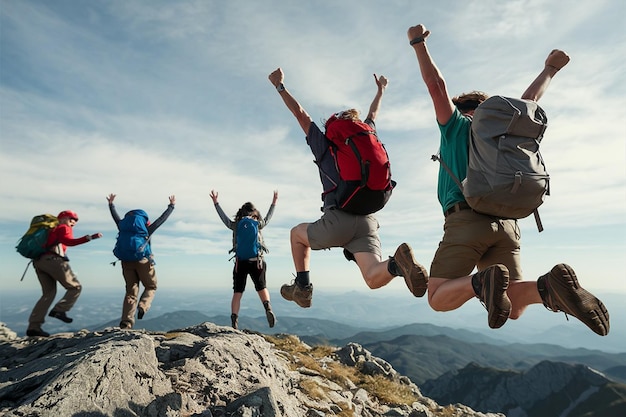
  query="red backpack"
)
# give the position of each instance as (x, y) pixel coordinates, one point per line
(363, 164)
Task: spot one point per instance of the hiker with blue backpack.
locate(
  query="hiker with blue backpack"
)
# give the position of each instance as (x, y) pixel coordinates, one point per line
(248, 249)
(134, 250)
(356, 179)
(481, 236)
(53, 266)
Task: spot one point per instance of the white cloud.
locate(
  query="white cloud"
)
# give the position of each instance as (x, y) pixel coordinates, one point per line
(151, 99)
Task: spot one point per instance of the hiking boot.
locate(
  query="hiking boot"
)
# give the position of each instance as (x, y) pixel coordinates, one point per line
(415, 275)
(271, 318)
(36, 333)
(140, 313)
(61, 315)
(493, 283)
(124, 324)
(300, 296)
(234, 321)
(560, 291)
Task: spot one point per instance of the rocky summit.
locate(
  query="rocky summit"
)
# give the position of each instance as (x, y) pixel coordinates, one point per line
(201, 371)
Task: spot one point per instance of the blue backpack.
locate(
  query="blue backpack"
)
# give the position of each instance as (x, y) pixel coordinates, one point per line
(133, 239)
(247, 239)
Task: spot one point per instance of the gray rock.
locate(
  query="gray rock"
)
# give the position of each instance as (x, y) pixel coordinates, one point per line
(200, 371)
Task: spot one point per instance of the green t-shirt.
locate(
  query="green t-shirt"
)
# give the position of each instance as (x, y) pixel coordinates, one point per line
(453, 150)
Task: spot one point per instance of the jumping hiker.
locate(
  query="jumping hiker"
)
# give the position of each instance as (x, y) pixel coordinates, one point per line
(54, 266)
(490, 244)
(356, 234)
(248, 248)
(134, 250)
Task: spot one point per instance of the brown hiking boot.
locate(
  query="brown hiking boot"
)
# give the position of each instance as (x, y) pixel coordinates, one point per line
(415, 275)
(560, 291)
(493, 284)
(301, 296)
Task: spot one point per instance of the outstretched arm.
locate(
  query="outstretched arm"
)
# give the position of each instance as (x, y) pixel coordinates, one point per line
(158, 222)
(116, 217)
(220, 212)
(556, 60)
(381, 83)
(270, 212)
(430, 74)
(303, 118)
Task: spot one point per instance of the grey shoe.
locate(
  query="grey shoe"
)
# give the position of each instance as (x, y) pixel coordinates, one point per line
(271, 318)
(234, 321)
(301, 296)
(494, 282)
(415, 275)
(125, 324)
(560, 291)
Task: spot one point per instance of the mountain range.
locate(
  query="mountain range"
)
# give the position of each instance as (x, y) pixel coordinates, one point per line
(481, 369)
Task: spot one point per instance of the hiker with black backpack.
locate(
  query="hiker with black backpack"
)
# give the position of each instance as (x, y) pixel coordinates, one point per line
(490, 242)
(248, 249)
(54, 266)
(133, 249)
(356, 180)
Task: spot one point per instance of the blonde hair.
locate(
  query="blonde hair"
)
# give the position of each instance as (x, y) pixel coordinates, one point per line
(349, 114)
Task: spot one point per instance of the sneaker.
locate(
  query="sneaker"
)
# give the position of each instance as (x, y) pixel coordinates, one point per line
(234, 321)
(124, 324)
(301, 296)
(36, 333)
(560, 291)
(415, 275)
(271, 318)
(493, 284)
(61, 316)
(140, 313)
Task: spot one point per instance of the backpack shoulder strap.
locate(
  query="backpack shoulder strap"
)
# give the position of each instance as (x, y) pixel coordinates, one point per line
(448, 170)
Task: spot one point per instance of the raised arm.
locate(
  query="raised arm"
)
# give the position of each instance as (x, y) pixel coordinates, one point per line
(270, 211)
(381, 84)
(220, 212)
(163, 217)
(116, 217)
(556, 60)
(276, 78)
(430, 74)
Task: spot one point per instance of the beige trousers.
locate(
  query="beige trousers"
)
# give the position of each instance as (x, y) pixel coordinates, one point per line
(135, 273)
(51, 269)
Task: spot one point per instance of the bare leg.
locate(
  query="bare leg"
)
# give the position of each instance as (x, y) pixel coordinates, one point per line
(374, 271)
(300, 247)
(235, 303)
(449, 294)
(264, 295)
(522, 294)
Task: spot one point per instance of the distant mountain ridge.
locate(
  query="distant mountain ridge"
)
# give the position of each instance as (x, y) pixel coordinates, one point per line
(546, 389)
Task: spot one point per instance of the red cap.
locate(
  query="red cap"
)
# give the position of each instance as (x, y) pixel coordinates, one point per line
(68, 213)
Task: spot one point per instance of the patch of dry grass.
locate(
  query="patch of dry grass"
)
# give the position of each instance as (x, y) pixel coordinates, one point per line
(384, 390)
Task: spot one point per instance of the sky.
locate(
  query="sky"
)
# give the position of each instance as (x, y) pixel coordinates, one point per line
(148, 99)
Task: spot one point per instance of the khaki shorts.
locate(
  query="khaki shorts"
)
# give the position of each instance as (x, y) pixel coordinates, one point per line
(475, 240)
(338, 229)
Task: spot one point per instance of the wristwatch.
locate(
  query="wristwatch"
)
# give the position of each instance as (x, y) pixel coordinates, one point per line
(280, 87)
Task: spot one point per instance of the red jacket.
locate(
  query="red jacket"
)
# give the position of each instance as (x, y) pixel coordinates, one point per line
(64, 235)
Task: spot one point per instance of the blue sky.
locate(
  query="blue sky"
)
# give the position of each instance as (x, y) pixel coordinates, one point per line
(151, 98)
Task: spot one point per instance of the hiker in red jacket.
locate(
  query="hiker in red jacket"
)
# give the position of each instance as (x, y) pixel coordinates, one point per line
(356, 234)
(488, 243)
(52, 267)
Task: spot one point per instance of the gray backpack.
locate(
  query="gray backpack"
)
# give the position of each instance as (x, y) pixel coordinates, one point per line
(506, 175)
